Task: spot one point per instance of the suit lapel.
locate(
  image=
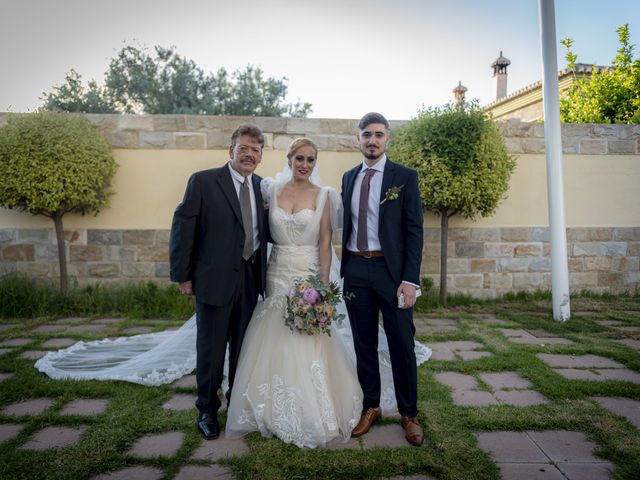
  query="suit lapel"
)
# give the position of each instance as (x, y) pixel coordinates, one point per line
(229, 190)
(387, 181)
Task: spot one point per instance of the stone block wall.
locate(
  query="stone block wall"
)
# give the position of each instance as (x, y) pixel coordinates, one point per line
(483, 262)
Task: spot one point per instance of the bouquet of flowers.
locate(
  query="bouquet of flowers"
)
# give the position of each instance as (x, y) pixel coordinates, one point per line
(311, 306)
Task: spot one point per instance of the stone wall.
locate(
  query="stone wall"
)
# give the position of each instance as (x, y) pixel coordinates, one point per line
(483, 261)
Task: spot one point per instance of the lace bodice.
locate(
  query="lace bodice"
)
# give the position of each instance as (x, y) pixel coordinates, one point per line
(295, 251)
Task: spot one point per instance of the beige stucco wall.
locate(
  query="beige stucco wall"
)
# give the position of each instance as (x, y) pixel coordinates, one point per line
(600, 190)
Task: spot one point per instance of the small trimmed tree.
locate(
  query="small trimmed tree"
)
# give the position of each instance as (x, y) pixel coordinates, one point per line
(52, 164)
(462, 163)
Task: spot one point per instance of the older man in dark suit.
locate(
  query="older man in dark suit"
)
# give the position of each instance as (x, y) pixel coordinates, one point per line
(382, 252)
(218, 251)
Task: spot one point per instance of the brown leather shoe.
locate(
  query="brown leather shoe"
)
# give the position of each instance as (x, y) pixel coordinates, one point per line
(368, 417)
(413, 430)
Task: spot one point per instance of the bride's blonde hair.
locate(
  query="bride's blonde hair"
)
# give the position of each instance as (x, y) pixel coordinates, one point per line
(300, 142)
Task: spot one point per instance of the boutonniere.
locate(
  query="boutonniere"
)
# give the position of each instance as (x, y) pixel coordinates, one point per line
(265, 205)
(392, 194)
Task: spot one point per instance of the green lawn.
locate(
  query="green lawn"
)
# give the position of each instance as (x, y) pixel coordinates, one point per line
(450, 450)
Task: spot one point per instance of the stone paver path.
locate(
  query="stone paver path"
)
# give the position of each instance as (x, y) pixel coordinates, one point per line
(9, 431)
(391, 435)
(431, 326)
(5, 376)
(16, 342)
(160, 445)
(508, 388)
(188, 381)
(136, 330)
(71, 320)
(6, 326)
(85, 406)
(589, 367)
(556, 454)
(28, 407)
(211, 472)
(180, 402)
(108, 321)
(33, 354)
(132, 473)
(50, 328)
(58, 343)
(88, 328)
(625, 407)
(5, 350)
(629, 342)
(54, 437)
(533, 337)
(458, 350)
(222, 447)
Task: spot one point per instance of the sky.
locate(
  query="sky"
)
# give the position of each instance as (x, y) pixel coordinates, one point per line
(345, 57)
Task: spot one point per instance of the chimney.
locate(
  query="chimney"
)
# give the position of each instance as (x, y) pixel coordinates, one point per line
(458, 95)
(500, 75)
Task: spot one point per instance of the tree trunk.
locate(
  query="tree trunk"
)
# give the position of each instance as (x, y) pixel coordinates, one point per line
(444, 234)
(62, 254)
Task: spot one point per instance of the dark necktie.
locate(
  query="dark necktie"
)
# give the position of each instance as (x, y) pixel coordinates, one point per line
(361, 242)
(247, 219)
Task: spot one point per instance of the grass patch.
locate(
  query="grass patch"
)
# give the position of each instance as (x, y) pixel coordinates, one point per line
(450, 451)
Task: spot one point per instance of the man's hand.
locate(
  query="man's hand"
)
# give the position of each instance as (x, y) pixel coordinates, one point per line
(409, 292)
(186, 288)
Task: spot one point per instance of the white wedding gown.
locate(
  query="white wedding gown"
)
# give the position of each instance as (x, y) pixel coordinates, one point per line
(301, 388)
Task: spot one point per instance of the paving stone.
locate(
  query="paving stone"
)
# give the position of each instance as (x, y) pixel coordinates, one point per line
(411, 477)
(71, 320)
(629, 342)
(473, 398)
(520, 398)
(9, 431)
(197, 472)
(85, 406)
(7, 326)
(50, 328)
(502, 380)
(472, 355)
(222, 448)
(625, 407)
(422, 329)
(340, 444)
(160, 445)
(565, 446)
(576, 374)
(88, 328)
(619, 374)
(578, 361)
(54, 437)
(462, 345)
(609, 323)
(187, 381)
(108, 321)
(514, 332)
(524, 337)
(136, 330)
(28, 407)
(58, 342)
(584, 314)
(33, 354)
(385, 436)
(511, 447)
(440, 322)
(5, 376)
(586, 471)
(629, 329)
(529, 471)
(445, 355)
(457, 381)
(5, 350)
(132, 473)
(180, 402)
(16, 342)
(540, 333)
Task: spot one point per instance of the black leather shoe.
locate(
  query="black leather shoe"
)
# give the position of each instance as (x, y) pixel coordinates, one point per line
(208, 426)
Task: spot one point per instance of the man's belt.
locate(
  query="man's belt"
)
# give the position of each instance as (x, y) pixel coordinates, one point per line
(368, 254)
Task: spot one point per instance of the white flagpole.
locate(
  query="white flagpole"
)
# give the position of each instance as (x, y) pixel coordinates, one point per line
(553, 148)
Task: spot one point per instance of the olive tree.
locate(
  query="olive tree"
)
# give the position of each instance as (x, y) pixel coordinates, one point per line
(462, 164)
(52, 164)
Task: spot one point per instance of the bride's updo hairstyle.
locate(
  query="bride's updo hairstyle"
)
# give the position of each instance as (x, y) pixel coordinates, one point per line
(300, 142)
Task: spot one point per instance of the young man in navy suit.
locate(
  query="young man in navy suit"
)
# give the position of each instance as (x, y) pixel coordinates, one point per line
(382, 251)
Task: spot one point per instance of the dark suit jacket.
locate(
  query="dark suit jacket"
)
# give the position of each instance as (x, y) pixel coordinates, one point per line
(400, 221)
(207, 236)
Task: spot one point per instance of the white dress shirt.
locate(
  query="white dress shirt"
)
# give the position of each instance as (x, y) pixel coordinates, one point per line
(373, 208)
(238, 180)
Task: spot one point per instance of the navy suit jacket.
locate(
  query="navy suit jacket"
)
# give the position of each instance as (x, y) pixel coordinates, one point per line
(207, 236)
(400, 221)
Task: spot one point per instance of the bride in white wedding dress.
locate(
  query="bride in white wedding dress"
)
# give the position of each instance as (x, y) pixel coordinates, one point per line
(302, 389)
